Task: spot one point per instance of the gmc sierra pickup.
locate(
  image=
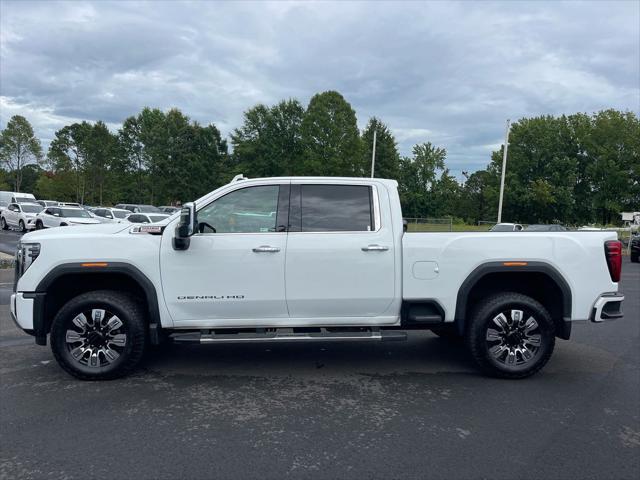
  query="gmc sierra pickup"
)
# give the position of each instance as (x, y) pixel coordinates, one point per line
(304, 259)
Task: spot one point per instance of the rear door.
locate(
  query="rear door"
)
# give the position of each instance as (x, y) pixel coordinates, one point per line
(340, 258)
(11, 214)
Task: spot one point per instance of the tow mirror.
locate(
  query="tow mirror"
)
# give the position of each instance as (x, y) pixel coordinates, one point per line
(187, 226)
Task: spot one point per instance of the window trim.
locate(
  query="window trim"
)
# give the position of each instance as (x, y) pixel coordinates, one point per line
(373, 199)
(279, 210)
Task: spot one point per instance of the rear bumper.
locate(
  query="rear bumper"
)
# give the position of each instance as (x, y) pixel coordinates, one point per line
(607, 307)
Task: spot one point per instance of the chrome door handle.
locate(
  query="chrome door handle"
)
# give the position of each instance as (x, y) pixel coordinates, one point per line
(266, 249)
(375, 248)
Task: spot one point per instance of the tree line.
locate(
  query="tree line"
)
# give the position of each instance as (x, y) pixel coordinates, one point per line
(573, 169)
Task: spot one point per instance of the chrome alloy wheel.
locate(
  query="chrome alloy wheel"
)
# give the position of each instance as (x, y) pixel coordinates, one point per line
(96, 338)
(515, 341)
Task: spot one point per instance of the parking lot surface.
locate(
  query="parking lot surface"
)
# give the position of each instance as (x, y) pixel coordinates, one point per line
(410, 409)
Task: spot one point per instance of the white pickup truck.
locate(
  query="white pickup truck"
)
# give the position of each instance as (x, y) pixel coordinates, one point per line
(304, 259)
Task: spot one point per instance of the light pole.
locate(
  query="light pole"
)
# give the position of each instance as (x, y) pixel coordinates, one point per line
(373, 154)
(504, 168)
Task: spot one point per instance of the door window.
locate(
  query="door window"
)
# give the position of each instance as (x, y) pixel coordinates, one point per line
(336, 208)
(247, 210)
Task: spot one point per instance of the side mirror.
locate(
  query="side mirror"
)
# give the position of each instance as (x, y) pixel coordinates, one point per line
(187, 226)
(405, 225)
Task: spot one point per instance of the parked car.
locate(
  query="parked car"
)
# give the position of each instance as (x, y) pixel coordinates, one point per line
(332, 263)
(111, 215)
(169, 210)
(635, 248)
(47, 203)
(506, 227)
(136, 208)
(545, 228)
(63, 217)
(20, 215)
(147, 217)
(15, 197)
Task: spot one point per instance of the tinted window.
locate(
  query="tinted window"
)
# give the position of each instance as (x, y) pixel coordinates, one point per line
(74, 212)
(157, 218)
(136, 218)
(148, 209)
(24, 199)
(119, 213)
(248, 210)
(336, 208)
(31, 208)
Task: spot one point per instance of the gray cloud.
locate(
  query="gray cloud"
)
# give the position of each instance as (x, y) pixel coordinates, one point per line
(450, 73)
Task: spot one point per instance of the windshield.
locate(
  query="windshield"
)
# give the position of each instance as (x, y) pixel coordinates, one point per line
(24, 200)
(157, 218)
(74, 212)
(31, 208)
(120, 213)
(148, 209)
(538, 228)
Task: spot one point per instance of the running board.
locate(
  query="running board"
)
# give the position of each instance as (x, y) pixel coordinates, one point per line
(287, 335)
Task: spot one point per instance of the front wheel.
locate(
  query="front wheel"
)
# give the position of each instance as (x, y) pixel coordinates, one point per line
(3, 223)
(511, 335)
(22, 227)
(39, 225)
(99, 335)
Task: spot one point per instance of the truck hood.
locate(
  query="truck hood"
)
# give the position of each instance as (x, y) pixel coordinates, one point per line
(89, 230)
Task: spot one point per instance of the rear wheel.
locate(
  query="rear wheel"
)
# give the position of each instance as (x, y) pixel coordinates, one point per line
(511, 335)
(99, 335)
(3, 223)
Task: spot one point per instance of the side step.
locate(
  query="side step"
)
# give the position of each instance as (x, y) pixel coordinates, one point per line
(289, 335)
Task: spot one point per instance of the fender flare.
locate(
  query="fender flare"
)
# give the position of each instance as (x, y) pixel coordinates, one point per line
(40, 324)
(499, 267)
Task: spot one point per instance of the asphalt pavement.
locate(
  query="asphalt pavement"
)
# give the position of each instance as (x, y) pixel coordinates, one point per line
(9, 241)
(415, 409)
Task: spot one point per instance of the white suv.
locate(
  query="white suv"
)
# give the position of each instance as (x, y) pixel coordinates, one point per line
(20, 215)
(63, 217)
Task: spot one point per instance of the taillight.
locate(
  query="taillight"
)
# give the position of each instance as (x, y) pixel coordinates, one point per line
(613, 252)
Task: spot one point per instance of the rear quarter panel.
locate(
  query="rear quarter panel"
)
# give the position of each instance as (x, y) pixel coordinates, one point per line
(578, 257)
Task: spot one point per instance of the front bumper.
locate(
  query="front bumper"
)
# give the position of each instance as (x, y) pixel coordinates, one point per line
(607, 307)
(24, 309)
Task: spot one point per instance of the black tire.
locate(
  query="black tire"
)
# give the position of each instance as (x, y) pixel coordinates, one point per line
(514, 337)
(131, 315)
(22, 227)
(39, 225)
(3, 222)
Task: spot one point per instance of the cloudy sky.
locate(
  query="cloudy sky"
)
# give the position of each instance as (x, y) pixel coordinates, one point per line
(449, 73)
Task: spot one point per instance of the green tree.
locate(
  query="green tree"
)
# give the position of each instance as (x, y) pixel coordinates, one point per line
(68, 152)
(387, 162)
(269, 143)
(417, 178)
(331, 138)
(18, 147)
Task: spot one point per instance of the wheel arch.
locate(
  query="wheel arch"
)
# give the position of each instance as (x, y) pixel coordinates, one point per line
(539, 280)
(68, 280)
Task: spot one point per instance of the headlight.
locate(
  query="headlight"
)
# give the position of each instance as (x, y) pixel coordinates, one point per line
(25, 256)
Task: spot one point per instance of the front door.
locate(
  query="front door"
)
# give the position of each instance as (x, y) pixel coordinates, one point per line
(340, 258)
(233, 268)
